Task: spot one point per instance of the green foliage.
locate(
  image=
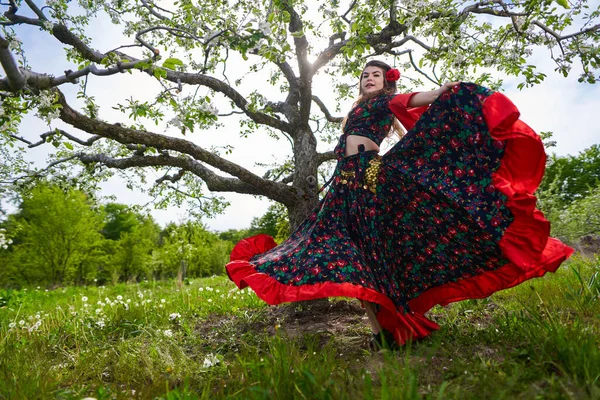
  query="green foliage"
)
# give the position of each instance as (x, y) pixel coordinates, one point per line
(569, 194)
(573, 177)
(61, 236)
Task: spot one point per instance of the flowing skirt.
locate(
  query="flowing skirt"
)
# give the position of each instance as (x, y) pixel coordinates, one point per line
(447, 214)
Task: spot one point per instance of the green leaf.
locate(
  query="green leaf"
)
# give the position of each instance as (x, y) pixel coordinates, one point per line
(170, 63)
(159, 73)
(563, 3)
(68, 145)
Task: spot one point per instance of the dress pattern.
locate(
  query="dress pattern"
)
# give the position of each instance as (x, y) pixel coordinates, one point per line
(424, 224)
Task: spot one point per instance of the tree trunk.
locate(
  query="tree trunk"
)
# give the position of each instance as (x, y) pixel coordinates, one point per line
(305, 177)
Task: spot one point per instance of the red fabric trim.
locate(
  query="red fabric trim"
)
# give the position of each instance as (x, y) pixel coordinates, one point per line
(525, 243)
(405, 327)
(407, 116)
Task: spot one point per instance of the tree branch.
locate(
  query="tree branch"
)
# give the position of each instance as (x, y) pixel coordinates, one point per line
(52, 133)
(14, 78)
(296, 28)
(277, 191)
(325, 111)
(327, 156)
(214, 182)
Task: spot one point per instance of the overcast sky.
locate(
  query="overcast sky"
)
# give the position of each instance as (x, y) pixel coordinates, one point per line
(561, 105)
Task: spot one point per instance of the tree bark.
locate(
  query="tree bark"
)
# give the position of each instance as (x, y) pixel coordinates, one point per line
(305, 176)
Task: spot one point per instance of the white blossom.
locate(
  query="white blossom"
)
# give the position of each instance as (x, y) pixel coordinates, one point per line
(84, 299)
(265, 28)
(176, 122)
(168, 333)
(174, 316)
(48, 25)
(114, 16)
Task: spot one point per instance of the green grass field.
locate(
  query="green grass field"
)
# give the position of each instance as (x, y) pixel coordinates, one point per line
(206, 339)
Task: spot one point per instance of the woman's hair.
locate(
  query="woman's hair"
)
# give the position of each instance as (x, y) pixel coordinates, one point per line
(389, 87)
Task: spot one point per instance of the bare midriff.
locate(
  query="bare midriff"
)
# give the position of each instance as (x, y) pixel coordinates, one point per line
(353, 141)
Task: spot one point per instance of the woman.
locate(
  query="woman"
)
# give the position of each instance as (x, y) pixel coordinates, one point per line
(447, 214)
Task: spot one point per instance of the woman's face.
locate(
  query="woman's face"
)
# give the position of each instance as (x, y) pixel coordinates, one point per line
(372, 80)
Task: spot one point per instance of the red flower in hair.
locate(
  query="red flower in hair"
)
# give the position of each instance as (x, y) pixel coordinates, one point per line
(392, 75)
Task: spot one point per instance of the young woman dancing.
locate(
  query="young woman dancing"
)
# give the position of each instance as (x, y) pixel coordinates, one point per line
(447, 214)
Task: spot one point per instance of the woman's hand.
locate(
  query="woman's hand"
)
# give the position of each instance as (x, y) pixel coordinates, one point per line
(445, 87)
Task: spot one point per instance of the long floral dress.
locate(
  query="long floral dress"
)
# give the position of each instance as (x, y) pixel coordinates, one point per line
(447, 214)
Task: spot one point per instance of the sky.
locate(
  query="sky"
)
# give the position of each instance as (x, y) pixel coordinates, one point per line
(560, 105)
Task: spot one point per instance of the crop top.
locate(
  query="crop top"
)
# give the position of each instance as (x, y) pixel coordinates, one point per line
(373, 117)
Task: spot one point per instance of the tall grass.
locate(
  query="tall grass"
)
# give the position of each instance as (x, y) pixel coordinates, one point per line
(209, 340)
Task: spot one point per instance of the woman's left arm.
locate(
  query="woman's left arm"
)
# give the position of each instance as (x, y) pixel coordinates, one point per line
(426, 98)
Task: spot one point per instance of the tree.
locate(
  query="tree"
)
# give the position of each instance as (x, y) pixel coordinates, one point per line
(120, 219)
(133, 251)
(273, 222)
(190, 250)
(56, 236)
(570, 178)
(187, 46)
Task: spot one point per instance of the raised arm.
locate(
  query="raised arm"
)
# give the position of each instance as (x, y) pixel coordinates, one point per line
(409, 107)
(426, 98)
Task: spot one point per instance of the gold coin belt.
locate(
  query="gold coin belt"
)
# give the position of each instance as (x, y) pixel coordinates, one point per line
(372, 173)
(370, 177)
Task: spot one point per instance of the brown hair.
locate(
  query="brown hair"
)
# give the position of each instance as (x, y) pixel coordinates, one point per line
(389, 87)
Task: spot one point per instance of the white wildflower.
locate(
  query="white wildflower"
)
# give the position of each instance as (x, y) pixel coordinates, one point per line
(12, 325)
(201, 289)
(119, 297)
(210, 360)
(168, 333)
(100, 323)
(210, 300)
(163, 301)
(84, 299)
(98, 310)
(174, 316)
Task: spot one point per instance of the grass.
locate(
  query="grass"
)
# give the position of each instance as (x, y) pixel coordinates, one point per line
(209, 340)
